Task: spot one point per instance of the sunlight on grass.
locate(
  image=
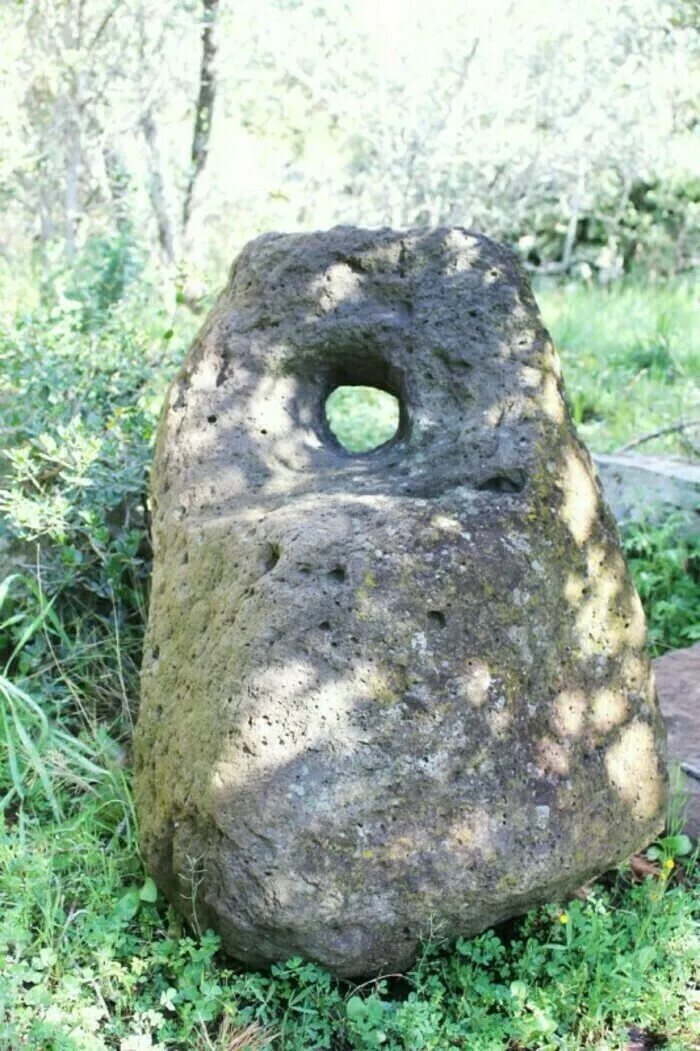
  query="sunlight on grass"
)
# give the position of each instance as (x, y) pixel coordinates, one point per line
(631, 359)
(91, 949)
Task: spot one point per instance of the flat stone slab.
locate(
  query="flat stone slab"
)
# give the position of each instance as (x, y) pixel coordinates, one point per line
(678, 682)
(639, 486)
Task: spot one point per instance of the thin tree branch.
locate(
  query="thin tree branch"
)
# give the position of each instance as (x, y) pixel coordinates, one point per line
(674, 429)
(560, 267)
(572, 229)
(103, 25)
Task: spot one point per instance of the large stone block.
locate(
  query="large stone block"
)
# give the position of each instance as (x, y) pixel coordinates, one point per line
(389, 693)
(640, 487)
(678, 678)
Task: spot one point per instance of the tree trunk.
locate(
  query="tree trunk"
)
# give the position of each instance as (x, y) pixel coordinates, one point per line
(205, 107)
(74, 150)
(157, 192)
(117, 181)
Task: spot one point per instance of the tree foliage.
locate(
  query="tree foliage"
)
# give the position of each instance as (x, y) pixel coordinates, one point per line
(570, 130)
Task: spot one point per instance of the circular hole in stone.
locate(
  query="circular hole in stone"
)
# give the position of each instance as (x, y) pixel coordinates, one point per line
(362, 418)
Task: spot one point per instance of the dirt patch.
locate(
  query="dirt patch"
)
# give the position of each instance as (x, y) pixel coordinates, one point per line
(640, 1040)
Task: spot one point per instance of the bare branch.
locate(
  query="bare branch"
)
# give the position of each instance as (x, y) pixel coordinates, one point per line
(549, 268)
(674, 429)
(103, 24)
(458, 94)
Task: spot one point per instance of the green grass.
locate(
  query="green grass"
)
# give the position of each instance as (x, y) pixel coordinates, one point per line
(92, 957)
(665, 564)
(631, 359)
(362, 418)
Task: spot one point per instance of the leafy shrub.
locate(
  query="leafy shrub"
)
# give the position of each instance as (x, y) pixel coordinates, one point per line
(103, 274)
(78, 420)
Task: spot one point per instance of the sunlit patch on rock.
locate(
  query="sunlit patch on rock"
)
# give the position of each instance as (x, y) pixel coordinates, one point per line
(580, 506)
(635, 771)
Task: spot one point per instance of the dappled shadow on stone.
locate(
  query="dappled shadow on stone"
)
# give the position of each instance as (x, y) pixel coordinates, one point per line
(395, 690)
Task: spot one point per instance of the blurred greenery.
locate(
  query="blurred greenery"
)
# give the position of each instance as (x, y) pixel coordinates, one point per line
(631, 359)
(505, 118)
(665, 563)
(362, 418)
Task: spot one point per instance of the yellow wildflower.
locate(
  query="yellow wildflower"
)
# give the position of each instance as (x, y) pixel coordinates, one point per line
(563, 918)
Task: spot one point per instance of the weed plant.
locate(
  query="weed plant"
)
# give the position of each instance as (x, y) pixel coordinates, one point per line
(91, 956)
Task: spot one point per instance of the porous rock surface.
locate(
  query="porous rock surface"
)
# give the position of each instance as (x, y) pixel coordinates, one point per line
(392, 693)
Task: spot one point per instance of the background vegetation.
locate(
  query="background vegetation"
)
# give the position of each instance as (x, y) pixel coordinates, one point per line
(172, 131)
(141, 145)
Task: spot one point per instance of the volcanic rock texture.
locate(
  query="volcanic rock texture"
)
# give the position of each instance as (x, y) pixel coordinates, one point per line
(398, 692)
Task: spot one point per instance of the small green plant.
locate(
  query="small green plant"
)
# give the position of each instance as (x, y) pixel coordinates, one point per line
(665, 564)
(653, 353)
(669, 848)
(365, 1019)
(584, 406)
